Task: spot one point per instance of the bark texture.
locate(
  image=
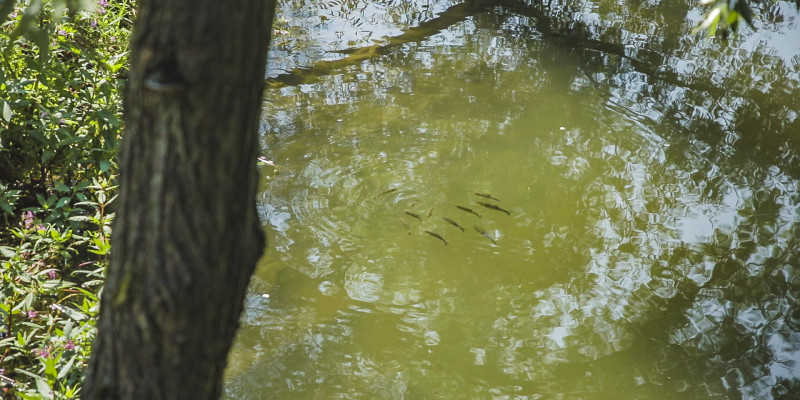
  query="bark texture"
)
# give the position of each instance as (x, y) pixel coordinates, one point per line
(187, 235)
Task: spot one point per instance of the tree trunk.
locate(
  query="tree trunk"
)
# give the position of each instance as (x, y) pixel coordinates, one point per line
(187, 235)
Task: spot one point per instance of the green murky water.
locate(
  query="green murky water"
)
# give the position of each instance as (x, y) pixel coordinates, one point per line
(648, 247)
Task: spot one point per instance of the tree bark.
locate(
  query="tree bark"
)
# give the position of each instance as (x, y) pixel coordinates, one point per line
(187, 235)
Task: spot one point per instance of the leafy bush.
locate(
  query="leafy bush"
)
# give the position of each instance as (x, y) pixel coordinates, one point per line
(61, 75)
(50, 299)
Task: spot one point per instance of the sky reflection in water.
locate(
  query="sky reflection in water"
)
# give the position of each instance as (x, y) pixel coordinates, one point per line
(650, 249)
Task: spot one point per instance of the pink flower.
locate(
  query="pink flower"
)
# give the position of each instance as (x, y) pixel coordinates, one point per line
(101, 6)
(52, 274)
(32, 314)
(69, 345)
(28, 219)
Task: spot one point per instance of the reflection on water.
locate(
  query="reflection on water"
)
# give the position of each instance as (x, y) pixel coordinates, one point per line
(647, 248)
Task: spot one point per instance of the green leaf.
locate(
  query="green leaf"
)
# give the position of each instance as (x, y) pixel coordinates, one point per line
(7, 251)
(67, 367)
(109, 118)
(88, 294)
(7, 113)
(62, 202)
(711, 22)
(50, 368)
(743, 8)
(61, 187)
(69, 141)
(31, 374)
(105, 164)
(72, 313)
(27, 302)
(6, 207)
(55, 235)
(47, 155)
(118, 61)
(7, 5)
(68, 328)
(44, 388)
(38, 136)
(103, 246)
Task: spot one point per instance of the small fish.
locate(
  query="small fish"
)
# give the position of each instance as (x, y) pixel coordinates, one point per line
(402, 221)
(413, 215)
(484, 233)
(430, 213)
(467, 209)
(387, 191)
(454, 223)
(486, 196)
(265, 161)
(436, 235)
(494, 207)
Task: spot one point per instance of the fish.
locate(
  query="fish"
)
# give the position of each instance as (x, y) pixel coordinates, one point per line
(454, 223)
(494, 207)
(436, 235)
(467, 209)
(387, 191)
(484, 233)
(413, 215)
(402, 221)
(430, 213)
(486, 196)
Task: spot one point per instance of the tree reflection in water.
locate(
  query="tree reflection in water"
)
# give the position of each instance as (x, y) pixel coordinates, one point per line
(652, 178)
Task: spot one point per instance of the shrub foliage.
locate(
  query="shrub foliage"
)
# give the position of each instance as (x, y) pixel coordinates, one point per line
(61, 75)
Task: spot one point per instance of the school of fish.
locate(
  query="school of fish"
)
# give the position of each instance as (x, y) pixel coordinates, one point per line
(487, 197)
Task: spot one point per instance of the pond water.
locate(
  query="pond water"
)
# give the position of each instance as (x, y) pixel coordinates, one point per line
(574, 200)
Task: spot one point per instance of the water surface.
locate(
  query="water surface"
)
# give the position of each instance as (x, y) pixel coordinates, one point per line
(648, 246)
